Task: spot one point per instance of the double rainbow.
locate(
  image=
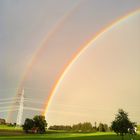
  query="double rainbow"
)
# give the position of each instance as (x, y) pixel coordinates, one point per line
(74, 57)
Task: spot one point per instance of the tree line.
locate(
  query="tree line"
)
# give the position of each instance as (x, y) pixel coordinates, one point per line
(82, 127)
(39, 125)
(121, 125)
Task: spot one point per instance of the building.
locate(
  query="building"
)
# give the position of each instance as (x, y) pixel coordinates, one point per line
(2, 121)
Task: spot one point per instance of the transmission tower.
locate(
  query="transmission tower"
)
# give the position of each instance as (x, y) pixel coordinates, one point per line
(21, 106)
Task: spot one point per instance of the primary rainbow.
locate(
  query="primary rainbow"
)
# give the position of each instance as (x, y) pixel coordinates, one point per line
(80, 51)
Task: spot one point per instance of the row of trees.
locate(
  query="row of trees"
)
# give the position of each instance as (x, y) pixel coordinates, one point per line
(61, 127)
(121, 125)
(82, 127)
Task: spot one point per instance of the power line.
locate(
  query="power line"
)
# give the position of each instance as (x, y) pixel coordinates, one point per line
(7, 99)
(37, 89)
(7, 89)
(7, 107)
(10, 102)
(33, 101)
(34, 109)
(7, 110)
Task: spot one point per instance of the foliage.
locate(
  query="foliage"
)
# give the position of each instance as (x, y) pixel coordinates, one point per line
(121, 124)
(80, 127)
(28, 125)
(60, 127)
(40, 123)
(35, 125)
(106, 128)
(83, 127)
(103, 127)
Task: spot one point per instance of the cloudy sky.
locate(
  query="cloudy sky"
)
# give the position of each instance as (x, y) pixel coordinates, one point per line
(39, 37)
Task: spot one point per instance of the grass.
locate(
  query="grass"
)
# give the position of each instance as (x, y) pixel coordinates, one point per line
(10, 133)
(68, 136)
(12, 128)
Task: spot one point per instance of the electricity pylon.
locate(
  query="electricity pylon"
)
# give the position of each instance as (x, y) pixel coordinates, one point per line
(21, 106)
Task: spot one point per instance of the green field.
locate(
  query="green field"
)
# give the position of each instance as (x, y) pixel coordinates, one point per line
(5, 127)
(11, 133)
(69, 136)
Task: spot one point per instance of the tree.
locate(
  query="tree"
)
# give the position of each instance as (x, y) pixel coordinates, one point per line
(35, 125)
(86, 127)
(40, 123)
(101, 127)
(106, 128)
(28, 125)
(121, 124)
(77, 127)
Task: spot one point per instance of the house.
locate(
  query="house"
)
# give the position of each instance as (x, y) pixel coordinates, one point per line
(33, 130)
(2, 121)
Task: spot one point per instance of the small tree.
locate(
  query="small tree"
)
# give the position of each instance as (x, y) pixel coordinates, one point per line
(106, 128)
(40, 123)
(86, 127)
(28, 125)
(121, 124)
(101, 127)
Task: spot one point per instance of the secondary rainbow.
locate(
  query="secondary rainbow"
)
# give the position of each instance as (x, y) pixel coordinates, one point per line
(59, 24)
(80, 51)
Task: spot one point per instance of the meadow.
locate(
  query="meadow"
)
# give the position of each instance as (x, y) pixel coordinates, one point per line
(14, 134)
(67, 136)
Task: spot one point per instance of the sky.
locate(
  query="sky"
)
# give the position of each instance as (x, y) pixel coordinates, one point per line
(102, 79)
(105, 77)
